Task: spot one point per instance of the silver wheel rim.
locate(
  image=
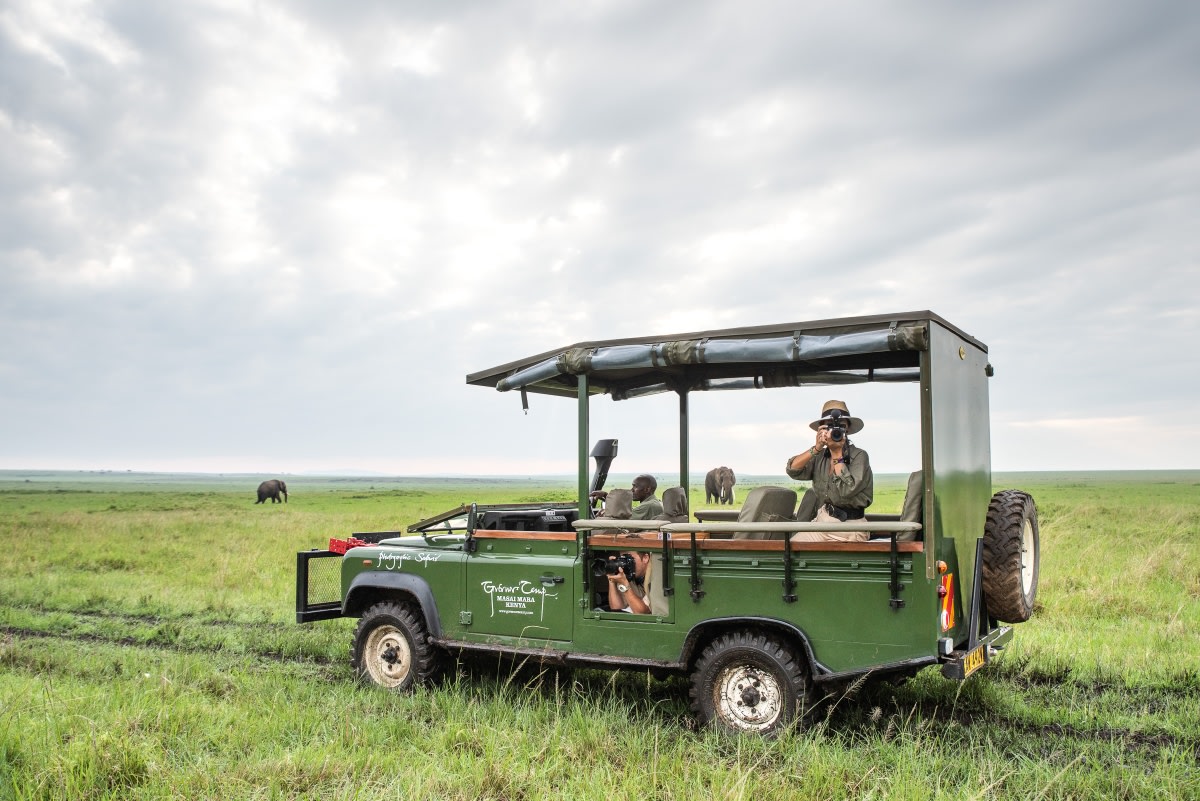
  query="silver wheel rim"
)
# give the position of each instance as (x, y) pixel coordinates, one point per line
(748, 698)
(1027, 547)
(387, 657)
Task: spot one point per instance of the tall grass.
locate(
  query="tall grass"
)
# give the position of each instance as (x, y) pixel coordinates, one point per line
(148, 650)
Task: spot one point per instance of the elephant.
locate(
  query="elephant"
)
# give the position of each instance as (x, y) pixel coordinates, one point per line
(718, 485)
(272, 489)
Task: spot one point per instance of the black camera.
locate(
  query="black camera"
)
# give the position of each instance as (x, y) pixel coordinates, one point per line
(615, 564)
(837, 431)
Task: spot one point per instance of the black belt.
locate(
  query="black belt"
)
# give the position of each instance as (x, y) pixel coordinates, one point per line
(845, 513)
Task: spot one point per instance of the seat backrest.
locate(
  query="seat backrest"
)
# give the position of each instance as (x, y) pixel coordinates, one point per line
(675, 505)
(618, 504)
(910, 512)
(766, 505)
(807, 509)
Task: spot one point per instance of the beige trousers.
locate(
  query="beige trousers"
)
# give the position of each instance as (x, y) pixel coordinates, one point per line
(839, 531)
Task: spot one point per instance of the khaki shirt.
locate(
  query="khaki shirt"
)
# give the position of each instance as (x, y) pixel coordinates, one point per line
(855, 487)
(650, 591)
(648, 509)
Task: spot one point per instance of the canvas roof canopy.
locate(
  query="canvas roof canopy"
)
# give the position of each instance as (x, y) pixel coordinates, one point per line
(823, 352)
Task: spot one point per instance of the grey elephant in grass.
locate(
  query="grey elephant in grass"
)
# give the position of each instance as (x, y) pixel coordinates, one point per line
(272, 489)
(718, 485)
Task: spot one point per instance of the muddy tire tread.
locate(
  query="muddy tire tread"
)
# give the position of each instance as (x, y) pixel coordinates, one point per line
(1002, 542)
(428, 660)
(768, 651)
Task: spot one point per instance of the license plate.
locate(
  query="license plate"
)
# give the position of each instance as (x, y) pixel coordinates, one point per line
(974, 660)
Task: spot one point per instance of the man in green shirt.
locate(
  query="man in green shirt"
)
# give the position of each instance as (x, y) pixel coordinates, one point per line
(649, 506)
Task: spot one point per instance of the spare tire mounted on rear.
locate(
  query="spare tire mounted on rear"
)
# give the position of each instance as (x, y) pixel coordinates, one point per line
(1010, 556)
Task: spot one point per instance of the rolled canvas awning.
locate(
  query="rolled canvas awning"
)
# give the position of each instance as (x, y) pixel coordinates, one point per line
(848, 350)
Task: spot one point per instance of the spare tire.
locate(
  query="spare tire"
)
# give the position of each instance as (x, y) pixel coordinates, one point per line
(1010, 556)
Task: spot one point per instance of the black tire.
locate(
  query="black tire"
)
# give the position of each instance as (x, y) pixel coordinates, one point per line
(391, 648)
(1011, 556)
(749, 683)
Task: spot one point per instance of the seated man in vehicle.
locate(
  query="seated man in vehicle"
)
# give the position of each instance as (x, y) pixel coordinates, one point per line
(842, 482)
(649, 507)
(640, 593)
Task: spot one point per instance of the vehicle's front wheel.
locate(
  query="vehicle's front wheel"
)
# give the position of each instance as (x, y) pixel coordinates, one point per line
(391, 648)
(1011, 556)
(749, 683)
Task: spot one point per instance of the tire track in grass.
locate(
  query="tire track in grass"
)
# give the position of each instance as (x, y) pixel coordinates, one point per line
(324, 668)
(1146, 741)
(132, 617)
(1184, 685)
(1041, 737)
(158, 639)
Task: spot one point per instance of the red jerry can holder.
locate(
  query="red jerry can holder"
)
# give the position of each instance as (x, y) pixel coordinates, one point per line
(341, 546)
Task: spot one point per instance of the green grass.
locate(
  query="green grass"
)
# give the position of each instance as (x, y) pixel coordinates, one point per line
(148, 650)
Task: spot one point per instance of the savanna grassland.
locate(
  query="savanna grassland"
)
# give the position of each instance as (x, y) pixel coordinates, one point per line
(148, 650)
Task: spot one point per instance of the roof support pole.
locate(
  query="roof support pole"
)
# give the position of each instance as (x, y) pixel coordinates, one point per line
(585, 503)
(683, 442)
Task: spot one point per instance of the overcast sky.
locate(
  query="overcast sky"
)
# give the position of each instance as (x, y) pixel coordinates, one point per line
(275, 236)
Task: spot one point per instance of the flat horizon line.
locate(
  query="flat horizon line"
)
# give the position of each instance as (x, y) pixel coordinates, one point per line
(344, 474)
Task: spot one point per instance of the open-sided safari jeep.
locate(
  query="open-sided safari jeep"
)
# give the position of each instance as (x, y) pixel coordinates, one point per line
(764, 626)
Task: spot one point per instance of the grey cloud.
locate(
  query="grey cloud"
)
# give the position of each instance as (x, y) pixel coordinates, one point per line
(335, 214)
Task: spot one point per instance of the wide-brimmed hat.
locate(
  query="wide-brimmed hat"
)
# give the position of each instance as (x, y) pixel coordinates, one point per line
(853, 424)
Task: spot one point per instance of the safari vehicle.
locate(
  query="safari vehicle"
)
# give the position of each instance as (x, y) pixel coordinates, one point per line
(765, 627)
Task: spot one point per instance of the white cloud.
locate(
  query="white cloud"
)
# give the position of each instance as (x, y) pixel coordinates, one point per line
(1075, 424)
(222, 207)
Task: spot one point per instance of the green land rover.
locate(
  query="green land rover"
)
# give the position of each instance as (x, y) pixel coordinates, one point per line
(765, 626)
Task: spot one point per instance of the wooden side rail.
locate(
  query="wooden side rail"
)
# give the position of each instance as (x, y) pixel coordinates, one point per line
(790, 527)
(605, 535)
(779, 527)
(827, 546)
(708, 544)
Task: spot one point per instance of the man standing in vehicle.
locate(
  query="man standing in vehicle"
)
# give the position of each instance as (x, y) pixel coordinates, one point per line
(842, 482)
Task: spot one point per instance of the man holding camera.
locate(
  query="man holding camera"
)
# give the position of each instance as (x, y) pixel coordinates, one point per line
(842, 482)
(639, 593)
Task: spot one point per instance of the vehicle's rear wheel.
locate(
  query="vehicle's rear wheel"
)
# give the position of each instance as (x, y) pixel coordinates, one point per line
(749, 683)
(391, 648)
(1011, 556)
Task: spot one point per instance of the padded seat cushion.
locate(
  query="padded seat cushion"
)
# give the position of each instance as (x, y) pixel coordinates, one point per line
(675, 506)
(766, 505)
(618, 504)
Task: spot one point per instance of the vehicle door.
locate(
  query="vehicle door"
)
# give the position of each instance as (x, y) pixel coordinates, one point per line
(521, 585)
